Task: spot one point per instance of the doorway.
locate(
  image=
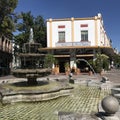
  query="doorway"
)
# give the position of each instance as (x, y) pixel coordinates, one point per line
(62, 68)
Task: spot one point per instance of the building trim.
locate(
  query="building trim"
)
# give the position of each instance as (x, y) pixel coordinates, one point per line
(75, 47)
(72, 28)
(96, 31)
(50, 25)
(85, 55)
(69, 19)
(61, 26)
(107, 50)
(84, 25)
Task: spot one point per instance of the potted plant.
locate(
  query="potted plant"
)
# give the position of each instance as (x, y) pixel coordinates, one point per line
(67, 68)
(77, 71)
(90, 72)
(48, 61)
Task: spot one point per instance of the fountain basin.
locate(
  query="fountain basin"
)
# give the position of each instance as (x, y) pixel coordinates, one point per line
(31, 74)
(24, 73)
(45, 91)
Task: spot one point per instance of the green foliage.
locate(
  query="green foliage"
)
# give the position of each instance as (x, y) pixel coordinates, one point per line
(106, 61)
(7, 17)
(48, 61)
(40, 31)
(67, 66)
(101, 62)
(19, 39)
(117, 60)
(27, 21)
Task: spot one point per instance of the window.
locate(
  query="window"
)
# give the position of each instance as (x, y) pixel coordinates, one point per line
(84, 35)
(61, 36)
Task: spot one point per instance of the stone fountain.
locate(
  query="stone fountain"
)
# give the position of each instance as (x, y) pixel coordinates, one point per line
(30, 62)
(34, 89)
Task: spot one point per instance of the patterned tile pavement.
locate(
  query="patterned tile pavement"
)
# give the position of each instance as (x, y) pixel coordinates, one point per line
(83, 100)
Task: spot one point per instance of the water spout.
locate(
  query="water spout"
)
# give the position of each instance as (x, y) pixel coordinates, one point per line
(88, 64)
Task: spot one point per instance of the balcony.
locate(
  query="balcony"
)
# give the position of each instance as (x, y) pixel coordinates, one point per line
(82, 43)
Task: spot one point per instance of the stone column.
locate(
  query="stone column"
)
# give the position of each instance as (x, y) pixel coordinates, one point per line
(73, 59)
(10, 47)
(94, 52)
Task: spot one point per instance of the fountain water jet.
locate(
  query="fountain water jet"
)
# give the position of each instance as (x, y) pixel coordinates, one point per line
(87, 63)
(89, 66)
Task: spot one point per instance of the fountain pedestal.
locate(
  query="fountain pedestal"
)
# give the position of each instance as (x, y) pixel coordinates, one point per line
(32, 79)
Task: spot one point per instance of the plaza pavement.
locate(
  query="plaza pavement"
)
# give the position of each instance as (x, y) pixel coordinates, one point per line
(113, 75)
(78, 102)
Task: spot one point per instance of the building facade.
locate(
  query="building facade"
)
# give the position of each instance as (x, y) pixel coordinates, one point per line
(71, 39)
(5, 56)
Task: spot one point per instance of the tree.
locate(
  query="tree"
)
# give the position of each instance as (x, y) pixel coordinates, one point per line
(27, 21)
(48, 61)
(23, 28)
(106, 61)
(100, 62)
(7, 17)
(40, 31)
(117, 60)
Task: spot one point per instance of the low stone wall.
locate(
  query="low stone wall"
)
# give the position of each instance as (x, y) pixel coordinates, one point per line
(116, 91)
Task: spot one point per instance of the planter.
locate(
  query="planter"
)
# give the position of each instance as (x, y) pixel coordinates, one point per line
(90, 73)
(67, 72)
(77, 71)
(102, 72)
(56, 70)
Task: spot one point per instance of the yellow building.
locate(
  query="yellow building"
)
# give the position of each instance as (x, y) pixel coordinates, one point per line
(70, 39)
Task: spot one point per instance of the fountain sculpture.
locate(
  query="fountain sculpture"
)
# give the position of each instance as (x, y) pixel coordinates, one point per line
(30, 62)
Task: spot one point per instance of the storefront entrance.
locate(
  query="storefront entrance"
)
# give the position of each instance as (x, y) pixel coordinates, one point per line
(62, 68)
(83, 65)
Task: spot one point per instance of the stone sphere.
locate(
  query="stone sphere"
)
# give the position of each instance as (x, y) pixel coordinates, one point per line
(110, 105)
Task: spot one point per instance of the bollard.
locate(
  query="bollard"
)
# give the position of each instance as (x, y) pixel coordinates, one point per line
(110, 105)
(70, 76)
(71, 80)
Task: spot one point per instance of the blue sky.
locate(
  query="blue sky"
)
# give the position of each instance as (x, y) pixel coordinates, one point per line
(78, 8)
